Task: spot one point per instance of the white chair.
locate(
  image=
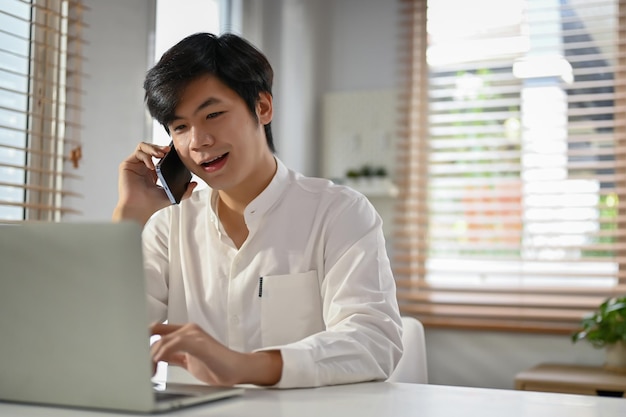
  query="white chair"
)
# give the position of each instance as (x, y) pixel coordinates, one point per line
(412, 366)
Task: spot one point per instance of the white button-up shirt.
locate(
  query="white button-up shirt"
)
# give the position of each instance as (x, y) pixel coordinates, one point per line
(312, 279)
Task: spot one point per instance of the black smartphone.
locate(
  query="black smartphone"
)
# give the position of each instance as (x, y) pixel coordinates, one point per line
(173, 174)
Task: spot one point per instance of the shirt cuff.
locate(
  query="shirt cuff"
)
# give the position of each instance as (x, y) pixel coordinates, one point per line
(298, 368)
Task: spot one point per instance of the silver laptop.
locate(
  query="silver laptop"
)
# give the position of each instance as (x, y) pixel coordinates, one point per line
(74, 322)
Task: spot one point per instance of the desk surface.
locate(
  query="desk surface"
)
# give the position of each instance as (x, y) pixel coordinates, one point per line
(376, 400)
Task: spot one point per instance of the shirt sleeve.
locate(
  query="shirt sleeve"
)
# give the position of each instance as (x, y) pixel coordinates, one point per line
(156, 264)
(362, 340)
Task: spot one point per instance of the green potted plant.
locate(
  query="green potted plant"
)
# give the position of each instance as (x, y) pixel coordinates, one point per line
(606, 328)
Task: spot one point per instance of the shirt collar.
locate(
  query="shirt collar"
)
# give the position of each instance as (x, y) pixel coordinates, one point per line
(257, 208)
(264, 201)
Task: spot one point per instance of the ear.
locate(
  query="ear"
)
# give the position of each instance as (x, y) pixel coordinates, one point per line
(265, 108)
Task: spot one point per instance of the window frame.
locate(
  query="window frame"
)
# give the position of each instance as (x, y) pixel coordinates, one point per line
(53, 144)
(538, 309)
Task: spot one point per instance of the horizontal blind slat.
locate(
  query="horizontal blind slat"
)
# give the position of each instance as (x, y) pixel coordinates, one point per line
(64, 193)
(42, 207)
(37, 170)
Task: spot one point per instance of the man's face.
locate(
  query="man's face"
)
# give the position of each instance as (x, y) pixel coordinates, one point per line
(217, 137)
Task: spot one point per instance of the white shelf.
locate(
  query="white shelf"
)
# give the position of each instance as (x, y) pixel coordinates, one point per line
(373, 188)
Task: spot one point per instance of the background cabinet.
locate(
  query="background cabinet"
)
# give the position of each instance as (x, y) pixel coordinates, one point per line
(359, 130)
(572, 379)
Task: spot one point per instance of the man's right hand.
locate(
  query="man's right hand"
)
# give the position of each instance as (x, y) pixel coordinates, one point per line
(139, 195)
(190, 347)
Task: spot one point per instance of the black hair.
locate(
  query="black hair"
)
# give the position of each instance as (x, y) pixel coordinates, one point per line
(230, 58)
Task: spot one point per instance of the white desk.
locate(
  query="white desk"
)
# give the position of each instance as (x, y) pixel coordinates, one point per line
(382, 399)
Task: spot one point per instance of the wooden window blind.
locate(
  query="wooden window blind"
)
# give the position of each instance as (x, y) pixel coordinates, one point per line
(40, 105)
(511, 162)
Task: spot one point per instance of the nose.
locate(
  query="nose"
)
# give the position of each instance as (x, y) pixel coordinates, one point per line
(200, 138)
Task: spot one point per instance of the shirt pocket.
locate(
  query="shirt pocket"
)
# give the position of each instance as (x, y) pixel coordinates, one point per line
(291, 308)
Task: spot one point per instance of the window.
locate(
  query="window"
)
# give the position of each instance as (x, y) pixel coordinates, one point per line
(510, 164)
(40, 71)
(199, 16)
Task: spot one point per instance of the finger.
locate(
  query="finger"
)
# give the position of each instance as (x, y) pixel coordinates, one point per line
(158, 151)
(153, 176)
(190, 187)
(146, 151)
(160, 329)
(189, 338)
(179, 338)
(176, 359)
(160, 353)
(166, 348)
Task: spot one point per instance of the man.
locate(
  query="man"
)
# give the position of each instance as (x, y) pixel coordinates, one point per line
(267, 277)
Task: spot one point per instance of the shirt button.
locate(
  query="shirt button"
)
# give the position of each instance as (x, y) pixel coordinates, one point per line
(234, 319)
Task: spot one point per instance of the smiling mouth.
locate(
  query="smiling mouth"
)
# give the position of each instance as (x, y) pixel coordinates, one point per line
(214, 160)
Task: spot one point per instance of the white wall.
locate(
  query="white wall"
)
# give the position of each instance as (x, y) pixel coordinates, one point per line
(363, 46)
(114, 117)
(315, 46)
(295, 35)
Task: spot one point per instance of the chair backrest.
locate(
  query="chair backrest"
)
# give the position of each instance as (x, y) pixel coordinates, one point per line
(412, 366)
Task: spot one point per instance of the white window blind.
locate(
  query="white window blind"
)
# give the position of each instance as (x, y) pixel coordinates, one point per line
(40, 99)
(511, 162)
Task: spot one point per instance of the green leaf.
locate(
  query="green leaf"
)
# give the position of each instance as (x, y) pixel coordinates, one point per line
(604, 326)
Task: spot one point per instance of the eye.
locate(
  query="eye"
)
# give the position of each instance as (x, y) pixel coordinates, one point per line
(178, 128)
(214, 115)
